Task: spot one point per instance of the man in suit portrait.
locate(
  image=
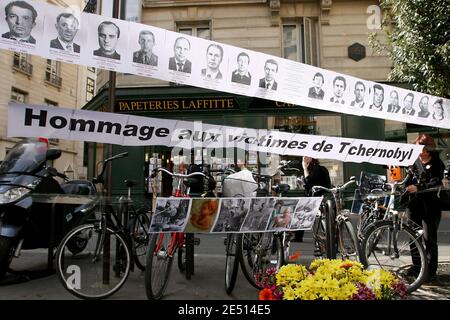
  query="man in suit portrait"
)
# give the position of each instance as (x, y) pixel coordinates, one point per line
(21, 19)
(316, 91)
(180, 62)
(67, 26)
(108, 36)
(241, 74)
(408, 105)
(378, 98)
(360, 90)
(393, 106)
(339, 85)
(214, 56)
(270, 70)
(146, 55)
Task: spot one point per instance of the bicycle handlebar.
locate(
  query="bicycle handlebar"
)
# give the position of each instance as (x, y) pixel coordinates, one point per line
(333, 190)
(99, 178)
(179, 175)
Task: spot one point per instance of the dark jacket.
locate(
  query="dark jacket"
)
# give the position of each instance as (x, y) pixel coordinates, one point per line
(7, 35)
(186, 67)
(100, 53)
(55, 44)
(318, 176)
(262, 84)
(138, 57)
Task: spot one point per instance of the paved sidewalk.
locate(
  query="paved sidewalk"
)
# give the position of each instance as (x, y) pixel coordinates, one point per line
(438, 291)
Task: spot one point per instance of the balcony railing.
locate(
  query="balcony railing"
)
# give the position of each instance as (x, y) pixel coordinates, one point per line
(22, 65)
(53, 79)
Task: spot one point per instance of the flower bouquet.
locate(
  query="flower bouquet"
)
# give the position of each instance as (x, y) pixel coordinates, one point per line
(329, 280)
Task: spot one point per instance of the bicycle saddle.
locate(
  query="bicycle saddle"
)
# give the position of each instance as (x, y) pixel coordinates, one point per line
(130, 183)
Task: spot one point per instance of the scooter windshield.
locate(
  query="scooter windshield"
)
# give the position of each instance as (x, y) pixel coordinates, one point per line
(26, 156)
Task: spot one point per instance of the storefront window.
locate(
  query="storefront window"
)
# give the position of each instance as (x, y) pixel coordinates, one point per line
(315, 125)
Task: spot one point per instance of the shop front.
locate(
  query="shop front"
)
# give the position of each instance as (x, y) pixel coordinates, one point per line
(211, 107)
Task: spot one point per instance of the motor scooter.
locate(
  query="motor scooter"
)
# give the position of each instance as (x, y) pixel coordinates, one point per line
(32, 211)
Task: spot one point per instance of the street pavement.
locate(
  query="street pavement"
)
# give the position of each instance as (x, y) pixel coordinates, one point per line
(207, 282)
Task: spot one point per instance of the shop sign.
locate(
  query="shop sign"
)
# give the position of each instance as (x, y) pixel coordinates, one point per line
(180, 104)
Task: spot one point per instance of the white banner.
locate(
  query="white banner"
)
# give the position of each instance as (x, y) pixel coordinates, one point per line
(234, 215)
(104, 127)
(96, 41)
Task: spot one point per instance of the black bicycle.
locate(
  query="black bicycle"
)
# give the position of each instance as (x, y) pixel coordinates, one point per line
(111, 244)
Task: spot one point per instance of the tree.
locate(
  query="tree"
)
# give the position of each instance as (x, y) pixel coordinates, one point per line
(418, 42)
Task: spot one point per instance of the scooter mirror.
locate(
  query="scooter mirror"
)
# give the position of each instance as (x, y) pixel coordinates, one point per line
(53, 154)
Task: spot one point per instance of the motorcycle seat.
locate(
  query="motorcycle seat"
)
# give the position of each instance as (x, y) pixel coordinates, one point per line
(79, 187)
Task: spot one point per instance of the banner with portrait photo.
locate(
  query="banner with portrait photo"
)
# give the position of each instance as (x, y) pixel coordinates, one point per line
(234, 215)
(111, 44)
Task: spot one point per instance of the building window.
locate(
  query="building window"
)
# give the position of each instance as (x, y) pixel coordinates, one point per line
(52, 73)
(18, 95)
(301, 41)
(50, 103)
(21, 63)
(199, 29)
(90, 87)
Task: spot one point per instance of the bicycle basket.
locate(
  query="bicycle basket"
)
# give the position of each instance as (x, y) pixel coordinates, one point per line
(240, 184)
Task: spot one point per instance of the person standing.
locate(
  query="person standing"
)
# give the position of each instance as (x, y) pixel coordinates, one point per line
(424, 207)
(314, 175)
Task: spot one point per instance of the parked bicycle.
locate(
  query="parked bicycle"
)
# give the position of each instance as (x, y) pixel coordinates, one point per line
(333, 230)
(111, 244)
(391, 241)
(260, 251)
(163, 246)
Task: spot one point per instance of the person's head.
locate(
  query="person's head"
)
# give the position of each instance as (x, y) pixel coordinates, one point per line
(311, 161)
(339, 85)
(394, 98)
(146, 41)
(181, 48)
(408, 101)
(214, 55)
(423, 104)
(108, 36)
(360, 89)
(438, 108)
(378, 95)
(287, 211)
(21, 18)
(243, 60)
(270, 69)
(318, 80)
(67, 26)
(428, 143)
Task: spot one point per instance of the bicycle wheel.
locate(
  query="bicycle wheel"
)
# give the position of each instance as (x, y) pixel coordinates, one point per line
(348, 244)
(139, 238)
(320, 237)
(394, 249)
(259, 252)
(232, 261)
(89, 275)
(159, 261)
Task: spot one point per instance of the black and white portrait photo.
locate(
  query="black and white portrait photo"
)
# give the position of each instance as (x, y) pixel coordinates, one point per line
(231, 215)
(393, 106)
(67, 26)
(270, 72)
(241, 74)
(438, 110)
(170, 215)
(316, 91)
(179, 61)
(21, 19)
(378, 98)
(360, 91)
(408, 103)
(108, 37)
(214, 57)
(339, 86)
(423, 107)
(146, 55)
(259, 214)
